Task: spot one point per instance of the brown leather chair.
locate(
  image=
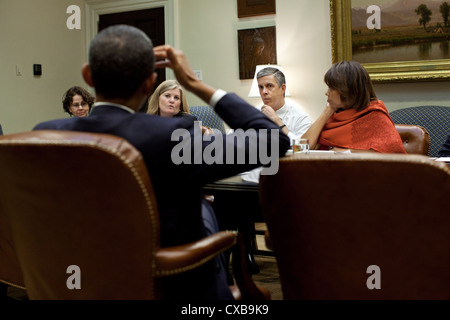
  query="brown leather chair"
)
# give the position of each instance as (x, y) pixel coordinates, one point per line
(10, 272)
(416, 139)
(86, 200)
(332, 218)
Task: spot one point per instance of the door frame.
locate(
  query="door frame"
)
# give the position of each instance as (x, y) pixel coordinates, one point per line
(95, 8)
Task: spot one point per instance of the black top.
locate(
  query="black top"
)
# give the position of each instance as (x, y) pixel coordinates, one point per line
(445, 150)
(187, 116)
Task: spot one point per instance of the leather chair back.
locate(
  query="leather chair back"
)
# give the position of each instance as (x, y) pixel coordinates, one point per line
(10, 272)
(80, 200)
(333, 219)
(81, 210)
(416, 139)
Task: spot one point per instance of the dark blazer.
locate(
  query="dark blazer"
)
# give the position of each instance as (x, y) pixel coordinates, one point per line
(445, 150)
(178, 188)
(186, 116)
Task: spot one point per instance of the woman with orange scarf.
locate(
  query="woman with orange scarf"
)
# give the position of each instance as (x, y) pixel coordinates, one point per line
(354, 119)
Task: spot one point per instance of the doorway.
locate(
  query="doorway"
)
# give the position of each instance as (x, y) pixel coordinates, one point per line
(150, 21)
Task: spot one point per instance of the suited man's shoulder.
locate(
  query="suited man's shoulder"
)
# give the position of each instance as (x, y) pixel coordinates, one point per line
(231, 97)
(54, 124)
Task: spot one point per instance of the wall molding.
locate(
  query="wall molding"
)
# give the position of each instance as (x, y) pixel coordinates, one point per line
(95, 8)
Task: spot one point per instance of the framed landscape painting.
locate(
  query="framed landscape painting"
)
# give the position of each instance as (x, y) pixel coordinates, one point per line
(395, 40)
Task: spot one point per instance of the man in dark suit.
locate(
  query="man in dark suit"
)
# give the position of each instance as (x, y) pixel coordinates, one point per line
(121, 69)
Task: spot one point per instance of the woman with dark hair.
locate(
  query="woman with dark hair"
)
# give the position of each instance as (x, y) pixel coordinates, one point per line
(353, 119)
(77, 102)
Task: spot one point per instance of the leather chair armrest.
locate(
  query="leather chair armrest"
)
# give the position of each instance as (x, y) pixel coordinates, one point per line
(174, 260)
(416, 139)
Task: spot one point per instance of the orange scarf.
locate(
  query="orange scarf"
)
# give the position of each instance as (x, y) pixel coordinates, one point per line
(370, 129)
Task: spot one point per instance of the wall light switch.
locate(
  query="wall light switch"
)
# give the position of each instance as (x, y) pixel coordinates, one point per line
(18, 70)
(198, 74)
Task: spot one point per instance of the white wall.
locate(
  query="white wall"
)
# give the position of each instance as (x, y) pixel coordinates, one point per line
(403, 95)
(303, 46)
(35, 32)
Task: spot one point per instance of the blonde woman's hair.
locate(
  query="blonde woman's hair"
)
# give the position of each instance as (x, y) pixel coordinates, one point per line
(153, 104)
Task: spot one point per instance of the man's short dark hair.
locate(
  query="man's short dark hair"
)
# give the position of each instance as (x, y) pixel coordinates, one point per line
(120, 58)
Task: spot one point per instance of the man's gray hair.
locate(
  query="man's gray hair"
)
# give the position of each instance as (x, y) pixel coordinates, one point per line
(279, 76)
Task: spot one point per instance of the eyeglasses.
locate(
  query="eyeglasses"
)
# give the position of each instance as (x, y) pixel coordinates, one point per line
(77, 105)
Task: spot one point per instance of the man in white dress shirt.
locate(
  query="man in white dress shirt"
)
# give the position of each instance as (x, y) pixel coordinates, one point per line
(293, 121)
(272, 88)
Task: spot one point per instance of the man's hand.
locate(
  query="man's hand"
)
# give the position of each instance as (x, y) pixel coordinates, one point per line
(270, 113)
(168, 57)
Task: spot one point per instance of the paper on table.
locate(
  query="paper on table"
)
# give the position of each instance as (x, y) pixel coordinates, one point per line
(443, 159)
(289, 152)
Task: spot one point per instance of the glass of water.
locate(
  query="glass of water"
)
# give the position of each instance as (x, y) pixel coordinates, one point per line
(300, 146)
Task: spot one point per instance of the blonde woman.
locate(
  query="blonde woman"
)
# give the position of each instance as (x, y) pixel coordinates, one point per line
(169, 100)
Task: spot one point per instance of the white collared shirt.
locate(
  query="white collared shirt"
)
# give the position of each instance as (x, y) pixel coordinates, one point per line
(297, 121)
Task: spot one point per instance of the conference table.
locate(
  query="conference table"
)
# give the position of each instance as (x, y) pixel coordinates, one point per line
(232, 184)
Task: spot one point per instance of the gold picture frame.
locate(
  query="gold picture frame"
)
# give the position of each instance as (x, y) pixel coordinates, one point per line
(400, 71)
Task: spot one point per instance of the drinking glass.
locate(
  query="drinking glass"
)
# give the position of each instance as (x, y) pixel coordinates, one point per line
(300, 146)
